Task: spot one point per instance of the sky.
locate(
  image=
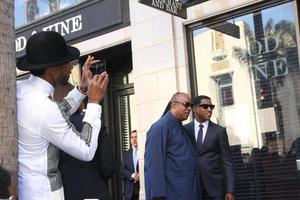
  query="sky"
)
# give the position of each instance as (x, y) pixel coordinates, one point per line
(43, 9)
(278, 13)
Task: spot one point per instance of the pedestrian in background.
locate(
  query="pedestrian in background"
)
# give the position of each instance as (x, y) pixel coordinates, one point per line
(86, 179)
(130, 169)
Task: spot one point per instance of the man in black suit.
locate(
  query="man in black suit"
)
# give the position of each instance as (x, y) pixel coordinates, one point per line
(211, 143)
(130, 170)
(86, 180)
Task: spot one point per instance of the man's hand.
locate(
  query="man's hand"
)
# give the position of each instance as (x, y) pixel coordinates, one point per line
(86, 74)
(229, 196)
(97, 87)
(136, 177)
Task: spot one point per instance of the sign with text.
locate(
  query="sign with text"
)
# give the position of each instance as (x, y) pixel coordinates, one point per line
(266, 61)
(189, 3)
(74, 23)
(173, 7)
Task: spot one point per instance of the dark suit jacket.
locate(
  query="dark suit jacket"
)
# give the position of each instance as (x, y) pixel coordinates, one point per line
(215, 161)
(88, 179)
(127, 169)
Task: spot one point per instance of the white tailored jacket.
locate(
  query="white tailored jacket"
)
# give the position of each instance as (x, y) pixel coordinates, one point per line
(44, 128)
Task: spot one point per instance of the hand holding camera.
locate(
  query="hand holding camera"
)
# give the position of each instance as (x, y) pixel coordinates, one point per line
(97, 87)
(94, 79)
(98, 84)
(98, 67)
(86, 73)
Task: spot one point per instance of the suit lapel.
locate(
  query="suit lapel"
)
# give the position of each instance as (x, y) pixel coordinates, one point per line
(208, 135)
(131, 159)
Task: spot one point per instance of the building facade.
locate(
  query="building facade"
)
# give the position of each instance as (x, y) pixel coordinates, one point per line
(243, 54)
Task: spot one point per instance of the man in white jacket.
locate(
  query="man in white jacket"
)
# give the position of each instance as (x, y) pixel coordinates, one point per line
(43, 125)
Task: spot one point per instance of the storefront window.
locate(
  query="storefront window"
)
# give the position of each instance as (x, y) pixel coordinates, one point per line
(30, 10)
(249, 66)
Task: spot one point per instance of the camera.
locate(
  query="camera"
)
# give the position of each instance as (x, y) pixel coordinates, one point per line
(98, 67)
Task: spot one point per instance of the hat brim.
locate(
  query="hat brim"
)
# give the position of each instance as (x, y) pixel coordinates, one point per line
(24, 65)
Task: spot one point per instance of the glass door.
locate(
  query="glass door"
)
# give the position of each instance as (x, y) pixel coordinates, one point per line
(124, 123)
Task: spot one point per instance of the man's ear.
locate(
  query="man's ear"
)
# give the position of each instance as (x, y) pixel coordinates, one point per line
(51, 71)
(172, 104)
(51, 74)
(56, 70)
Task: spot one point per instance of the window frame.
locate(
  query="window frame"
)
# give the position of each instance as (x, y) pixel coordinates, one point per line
(189, 28)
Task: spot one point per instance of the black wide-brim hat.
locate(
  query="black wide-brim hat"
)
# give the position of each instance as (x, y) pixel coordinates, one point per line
(46, 49)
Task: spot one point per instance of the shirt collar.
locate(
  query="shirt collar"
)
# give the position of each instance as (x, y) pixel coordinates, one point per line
(41, 84)
(205, 124)
(134, 149)
(172, 117)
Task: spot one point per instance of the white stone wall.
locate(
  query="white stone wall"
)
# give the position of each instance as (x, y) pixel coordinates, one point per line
(159, 66)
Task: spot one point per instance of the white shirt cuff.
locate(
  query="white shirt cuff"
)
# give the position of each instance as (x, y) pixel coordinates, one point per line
(132, 176)
(77, 95)
(92, 113)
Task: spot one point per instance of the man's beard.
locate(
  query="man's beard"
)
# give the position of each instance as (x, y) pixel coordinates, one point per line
(65, 80)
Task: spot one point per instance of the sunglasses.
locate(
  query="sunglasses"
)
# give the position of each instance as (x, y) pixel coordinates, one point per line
(206, 106)
(10, 198)
(185, 104)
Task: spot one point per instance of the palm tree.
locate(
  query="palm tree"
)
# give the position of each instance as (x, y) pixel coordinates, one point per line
(284, 30)
(285, 33)
(8, 130)
(54, 5)
(241, 54)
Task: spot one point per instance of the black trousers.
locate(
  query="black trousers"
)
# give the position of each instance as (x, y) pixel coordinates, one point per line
(136, 192)
(205, 195)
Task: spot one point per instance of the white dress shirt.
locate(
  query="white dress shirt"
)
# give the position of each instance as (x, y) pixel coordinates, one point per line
(197, 127)
(135, 158)
(44, 128)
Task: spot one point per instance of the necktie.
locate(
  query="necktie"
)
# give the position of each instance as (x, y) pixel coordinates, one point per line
(135, 159)
(200, 135)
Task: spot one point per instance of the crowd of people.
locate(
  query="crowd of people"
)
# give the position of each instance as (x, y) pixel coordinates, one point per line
(65, 154)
